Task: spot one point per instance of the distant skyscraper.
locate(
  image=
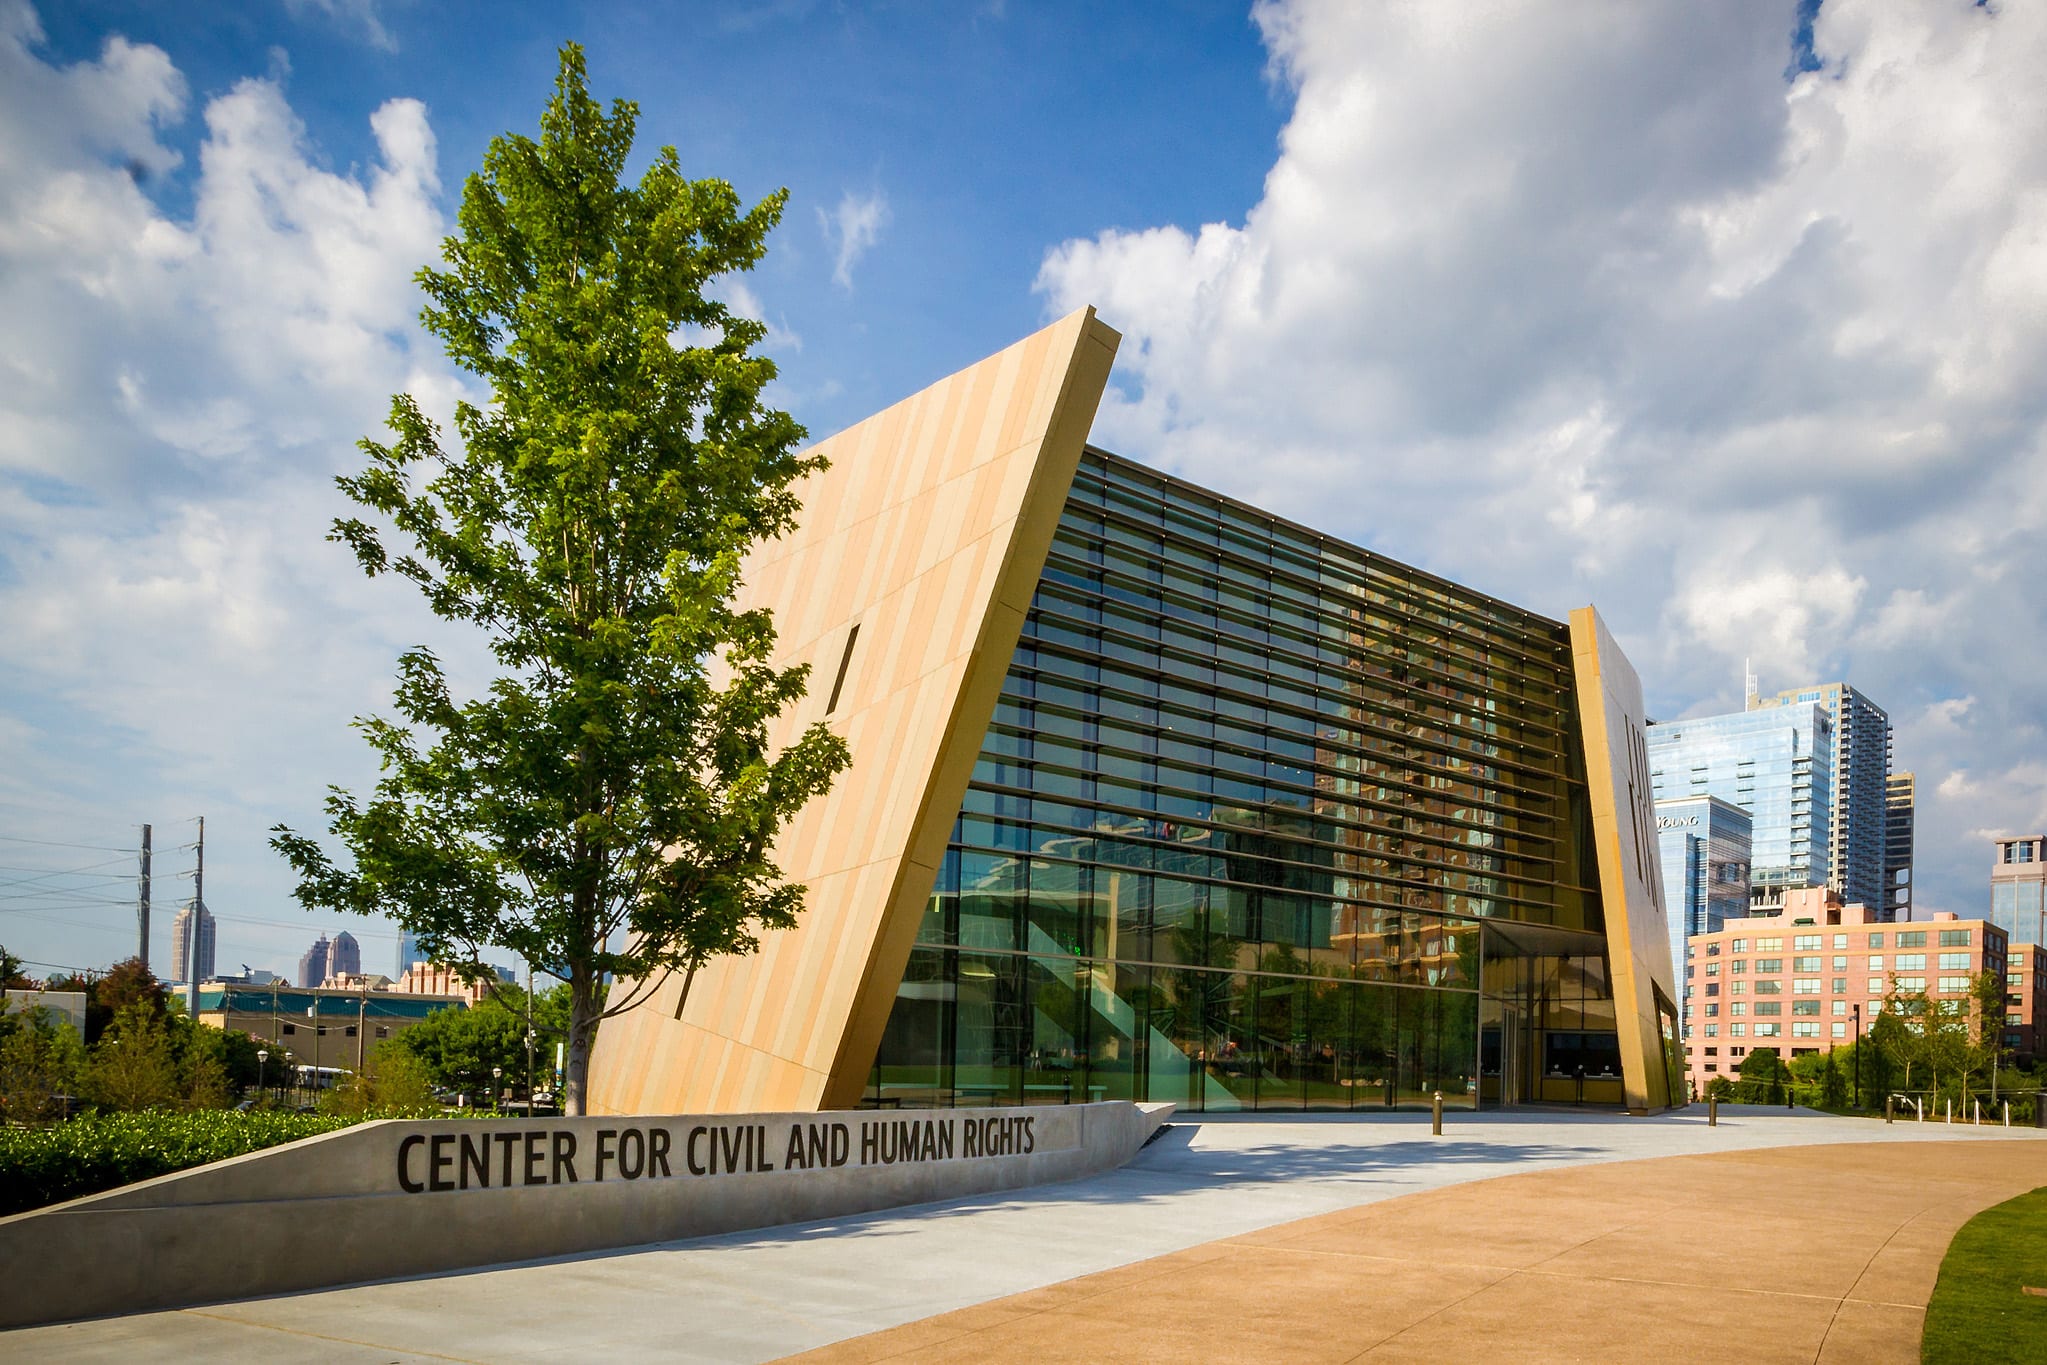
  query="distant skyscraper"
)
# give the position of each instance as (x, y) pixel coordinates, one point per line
(1859, 769)
(1773, 764)
(344, 956)
(313, 963)
(2018, 889)
(1900, 801)
(1703, 842)
(408, 952)
(192, 957)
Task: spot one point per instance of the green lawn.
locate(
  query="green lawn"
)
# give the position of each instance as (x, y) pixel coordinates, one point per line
(1980, 1311)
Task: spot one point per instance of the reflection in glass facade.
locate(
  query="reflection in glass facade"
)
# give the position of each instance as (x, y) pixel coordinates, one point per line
(1262, 821)
(2018, 889)
(1774, 765)
(1703, 843)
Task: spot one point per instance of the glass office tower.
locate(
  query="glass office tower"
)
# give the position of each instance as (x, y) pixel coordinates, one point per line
(1262, 821)
(1703, 843)
(1773, 764)
(1858, 760)
(2018, 889)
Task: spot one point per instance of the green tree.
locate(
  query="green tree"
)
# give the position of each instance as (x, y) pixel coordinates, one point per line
(1886, 1053)
(1833, 1085)
(133, 1066)
(606, 807)
(459, 1047)
(41, 1062)
(395, 1083)
(1762, 1077)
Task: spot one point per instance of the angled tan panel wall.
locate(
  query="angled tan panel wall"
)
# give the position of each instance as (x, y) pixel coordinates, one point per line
(1610, 713)
(927, 534)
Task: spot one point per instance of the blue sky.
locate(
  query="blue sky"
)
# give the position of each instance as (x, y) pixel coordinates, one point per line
(1726, 319)
(989, 132)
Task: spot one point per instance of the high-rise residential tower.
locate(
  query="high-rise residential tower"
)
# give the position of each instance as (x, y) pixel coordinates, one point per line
(1771, 763)
(313, 963)
(1900, 805)
(192, 943)
(1859, 770)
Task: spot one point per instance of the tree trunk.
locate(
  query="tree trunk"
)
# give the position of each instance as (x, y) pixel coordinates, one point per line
(583, 1018)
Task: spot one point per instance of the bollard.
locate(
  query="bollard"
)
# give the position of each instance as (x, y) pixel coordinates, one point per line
(1979, 1113)
(1890, 1102)
(1951, 1111)
(2007, 1113)
(1712, 1111)
(1437, 1115)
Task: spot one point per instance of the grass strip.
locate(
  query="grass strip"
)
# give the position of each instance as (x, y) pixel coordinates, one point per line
(1980, 1311)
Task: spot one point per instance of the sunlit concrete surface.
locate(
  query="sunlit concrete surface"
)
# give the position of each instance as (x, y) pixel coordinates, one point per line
(760, 1295)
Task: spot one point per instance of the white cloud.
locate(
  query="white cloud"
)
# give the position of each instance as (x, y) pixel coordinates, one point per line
(851, 230)
(358, 17)
(1591, 303)
(176, 395)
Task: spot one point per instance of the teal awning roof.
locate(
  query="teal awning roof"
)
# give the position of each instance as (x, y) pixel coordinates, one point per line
(330, 1005)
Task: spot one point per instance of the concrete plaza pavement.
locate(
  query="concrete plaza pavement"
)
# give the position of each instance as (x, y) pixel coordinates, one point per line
(1786, 1254)
(774, 1292)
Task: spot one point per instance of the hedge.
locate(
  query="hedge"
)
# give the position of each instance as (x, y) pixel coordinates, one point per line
(41, 1166)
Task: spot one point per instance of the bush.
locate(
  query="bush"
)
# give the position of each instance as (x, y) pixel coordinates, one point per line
(41, 1166)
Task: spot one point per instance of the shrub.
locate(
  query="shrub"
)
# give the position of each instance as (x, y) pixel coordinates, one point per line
(41, 1166)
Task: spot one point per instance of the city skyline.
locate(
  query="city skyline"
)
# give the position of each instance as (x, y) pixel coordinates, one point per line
(1759, 355)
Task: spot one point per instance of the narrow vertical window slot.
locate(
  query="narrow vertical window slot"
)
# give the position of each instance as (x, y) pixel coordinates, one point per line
(845, 660)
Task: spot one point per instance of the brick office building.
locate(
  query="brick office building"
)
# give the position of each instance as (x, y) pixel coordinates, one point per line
(1810, 979)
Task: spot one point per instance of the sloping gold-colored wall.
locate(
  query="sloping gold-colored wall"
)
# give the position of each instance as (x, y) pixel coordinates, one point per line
(1611, 716)
(927, 534)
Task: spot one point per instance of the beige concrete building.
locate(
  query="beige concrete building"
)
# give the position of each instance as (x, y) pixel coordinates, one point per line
(1157, 796)
(325, 1028)
(1814, 977)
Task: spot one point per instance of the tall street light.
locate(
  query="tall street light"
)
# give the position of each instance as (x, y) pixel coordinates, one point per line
(1856, 1008)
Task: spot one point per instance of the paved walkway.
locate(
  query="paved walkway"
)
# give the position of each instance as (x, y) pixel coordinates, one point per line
(1795, 1254)
(762, 1295)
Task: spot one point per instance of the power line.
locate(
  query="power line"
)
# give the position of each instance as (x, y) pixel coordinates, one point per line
(52, 843)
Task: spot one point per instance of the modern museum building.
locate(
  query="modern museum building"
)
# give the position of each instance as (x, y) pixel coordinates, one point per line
(1155, 796)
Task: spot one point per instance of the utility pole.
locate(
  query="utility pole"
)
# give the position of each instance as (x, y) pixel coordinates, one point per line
(362, 1009)
(142, 904)
(192, 930)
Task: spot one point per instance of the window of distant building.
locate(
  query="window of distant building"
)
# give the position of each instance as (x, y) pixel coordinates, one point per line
(1912, 940)
(1954, 938)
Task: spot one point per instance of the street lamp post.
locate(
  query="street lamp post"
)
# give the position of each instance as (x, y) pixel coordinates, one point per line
(1856, 1010)
(288, 1059)
(497, 1076)
(313, 1013)
(262, 1056)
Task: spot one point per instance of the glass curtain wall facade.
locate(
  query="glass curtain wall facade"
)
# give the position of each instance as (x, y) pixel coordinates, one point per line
(1703, 843)
(1858, 771)
(1262, 821)
(1773, 764)
(2018, 889)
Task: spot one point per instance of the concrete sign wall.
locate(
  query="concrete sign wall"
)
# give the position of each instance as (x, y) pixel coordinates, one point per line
(406, 1197)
